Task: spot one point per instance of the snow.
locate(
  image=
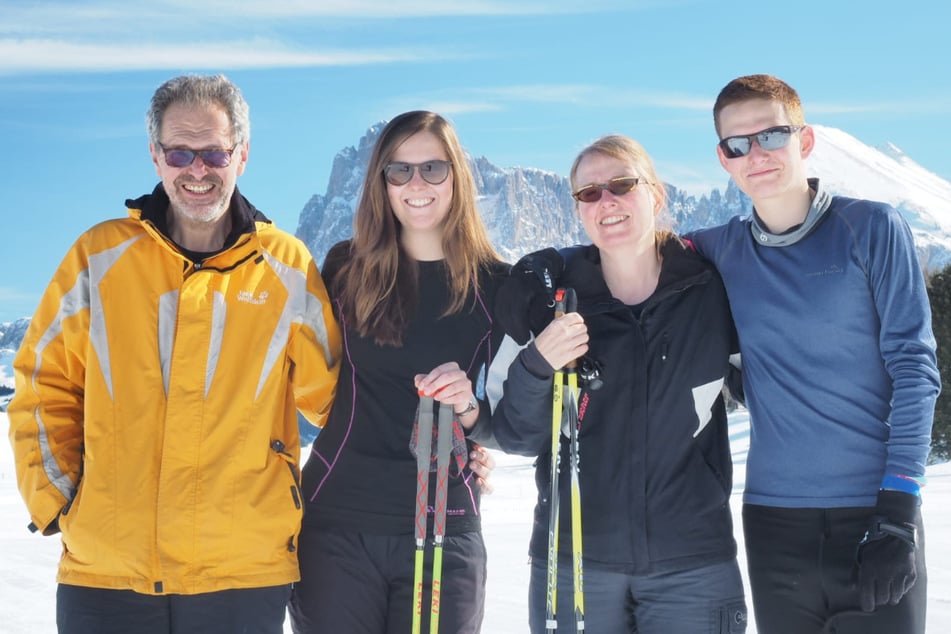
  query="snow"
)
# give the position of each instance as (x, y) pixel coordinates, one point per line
(28, 586)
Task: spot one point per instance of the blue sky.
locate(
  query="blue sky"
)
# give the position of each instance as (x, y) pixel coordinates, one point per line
(526, 82)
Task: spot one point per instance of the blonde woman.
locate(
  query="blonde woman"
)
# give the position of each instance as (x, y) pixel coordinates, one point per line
(654, 334)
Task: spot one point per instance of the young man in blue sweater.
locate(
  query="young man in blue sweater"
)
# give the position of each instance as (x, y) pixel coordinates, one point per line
(839, 375)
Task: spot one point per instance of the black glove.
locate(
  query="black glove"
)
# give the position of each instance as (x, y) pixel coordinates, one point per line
(886, 555)
(525, 304)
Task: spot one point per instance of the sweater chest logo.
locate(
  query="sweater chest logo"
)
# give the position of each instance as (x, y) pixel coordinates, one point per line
(834, 269)
(248, 297)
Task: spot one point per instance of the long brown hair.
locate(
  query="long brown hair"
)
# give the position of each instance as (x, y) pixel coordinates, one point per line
(377, 286)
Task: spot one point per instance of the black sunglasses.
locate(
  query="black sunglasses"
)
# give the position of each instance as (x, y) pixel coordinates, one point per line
(768, 139)
(617, 186)
(400, 173)
(183, 157)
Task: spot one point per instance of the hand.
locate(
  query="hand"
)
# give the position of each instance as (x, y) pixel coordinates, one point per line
(563, 340)
(524, 304)
(481, 464)
(447, 383)
(886, 556)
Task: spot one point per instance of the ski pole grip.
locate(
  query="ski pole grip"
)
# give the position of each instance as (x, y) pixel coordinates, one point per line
(566, 301)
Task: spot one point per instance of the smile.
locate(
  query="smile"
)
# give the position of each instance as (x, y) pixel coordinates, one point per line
(419, 202)
(612, 220)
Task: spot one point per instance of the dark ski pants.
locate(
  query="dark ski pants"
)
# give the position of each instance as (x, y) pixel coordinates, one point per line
(705, 600)
(801, 564)
(81, 610)
(356, 583)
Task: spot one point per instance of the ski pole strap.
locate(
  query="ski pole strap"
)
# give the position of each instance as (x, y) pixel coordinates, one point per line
(423, 429)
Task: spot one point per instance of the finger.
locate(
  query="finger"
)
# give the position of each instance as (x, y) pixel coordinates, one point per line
(439, 377)
(485, 486)
(482, 455)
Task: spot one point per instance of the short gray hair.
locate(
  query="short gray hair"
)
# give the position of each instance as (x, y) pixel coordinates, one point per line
(200, 90)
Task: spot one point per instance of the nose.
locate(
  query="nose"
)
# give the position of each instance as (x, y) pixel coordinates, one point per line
(417, 178)
(757, 150)
(198, 167)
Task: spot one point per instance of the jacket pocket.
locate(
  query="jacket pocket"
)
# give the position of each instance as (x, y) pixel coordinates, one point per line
(280, 449)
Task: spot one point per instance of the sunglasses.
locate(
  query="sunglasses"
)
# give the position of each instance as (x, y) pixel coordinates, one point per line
(768, 139)
(400, 173)
(617, 186)
(182, 157)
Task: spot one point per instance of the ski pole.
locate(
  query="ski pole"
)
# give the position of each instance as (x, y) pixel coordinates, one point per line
(571, 305)
(424, 440)
(443, 450)
(554, 497)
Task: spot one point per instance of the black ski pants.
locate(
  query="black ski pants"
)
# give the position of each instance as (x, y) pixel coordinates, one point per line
(702, 600)
(81, 610)
(363, 584)
(801, 564)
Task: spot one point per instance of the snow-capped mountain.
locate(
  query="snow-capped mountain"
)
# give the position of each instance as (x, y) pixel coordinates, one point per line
(525, 209)
(852, 168)
(11, 334)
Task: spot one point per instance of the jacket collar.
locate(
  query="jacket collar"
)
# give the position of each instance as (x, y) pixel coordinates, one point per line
(820, 204)
(682, 267)
(154, 208)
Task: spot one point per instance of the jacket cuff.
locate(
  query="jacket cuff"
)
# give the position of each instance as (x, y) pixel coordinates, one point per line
(535, 363)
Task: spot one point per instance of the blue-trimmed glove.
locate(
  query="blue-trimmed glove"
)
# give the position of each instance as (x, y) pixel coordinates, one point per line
(886, 555)
(524, 304)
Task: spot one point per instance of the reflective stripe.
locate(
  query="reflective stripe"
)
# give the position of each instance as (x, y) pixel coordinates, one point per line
(301, 308)
(167, 312)
(218, 313)
(704, 396)
(99, 265)
(72, 303)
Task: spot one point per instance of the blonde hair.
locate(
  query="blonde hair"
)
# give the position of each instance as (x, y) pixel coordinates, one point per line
(627, 150)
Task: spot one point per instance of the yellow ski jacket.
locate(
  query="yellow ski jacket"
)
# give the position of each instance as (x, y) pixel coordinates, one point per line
(155, 416)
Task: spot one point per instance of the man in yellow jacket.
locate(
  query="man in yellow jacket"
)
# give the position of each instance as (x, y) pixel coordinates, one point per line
(157, 389)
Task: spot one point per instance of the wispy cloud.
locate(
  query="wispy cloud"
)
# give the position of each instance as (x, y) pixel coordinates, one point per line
(22, 18)
(11, 295)
(916, 106)
(115, 35)
(18, 56)
(586, 95)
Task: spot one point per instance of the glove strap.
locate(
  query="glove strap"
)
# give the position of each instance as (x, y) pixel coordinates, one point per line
(883, 527)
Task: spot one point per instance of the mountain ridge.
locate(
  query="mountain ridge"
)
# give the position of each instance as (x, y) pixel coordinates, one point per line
(525, 208)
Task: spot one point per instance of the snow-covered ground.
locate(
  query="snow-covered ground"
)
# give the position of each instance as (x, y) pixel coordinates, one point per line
(28, 570)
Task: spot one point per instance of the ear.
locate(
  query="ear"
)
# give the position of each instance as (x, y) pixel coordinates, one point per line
(243, 151)
(807, 141)
(659, 194)
(155, 159)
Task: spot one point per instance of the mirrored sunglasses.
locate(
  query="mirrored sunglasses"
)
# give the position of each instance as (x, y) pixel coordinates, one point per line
(400, 173)
(183, 157)
(617, 186)
(769, 139)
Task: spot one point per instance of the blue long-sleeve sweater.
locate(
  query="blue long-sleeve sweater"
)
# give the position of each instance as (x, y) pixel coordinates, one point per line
(838, 354)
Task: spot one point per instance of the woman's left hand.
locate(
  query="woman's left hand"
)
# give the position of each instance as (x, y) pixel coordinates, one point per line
(481, 464)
